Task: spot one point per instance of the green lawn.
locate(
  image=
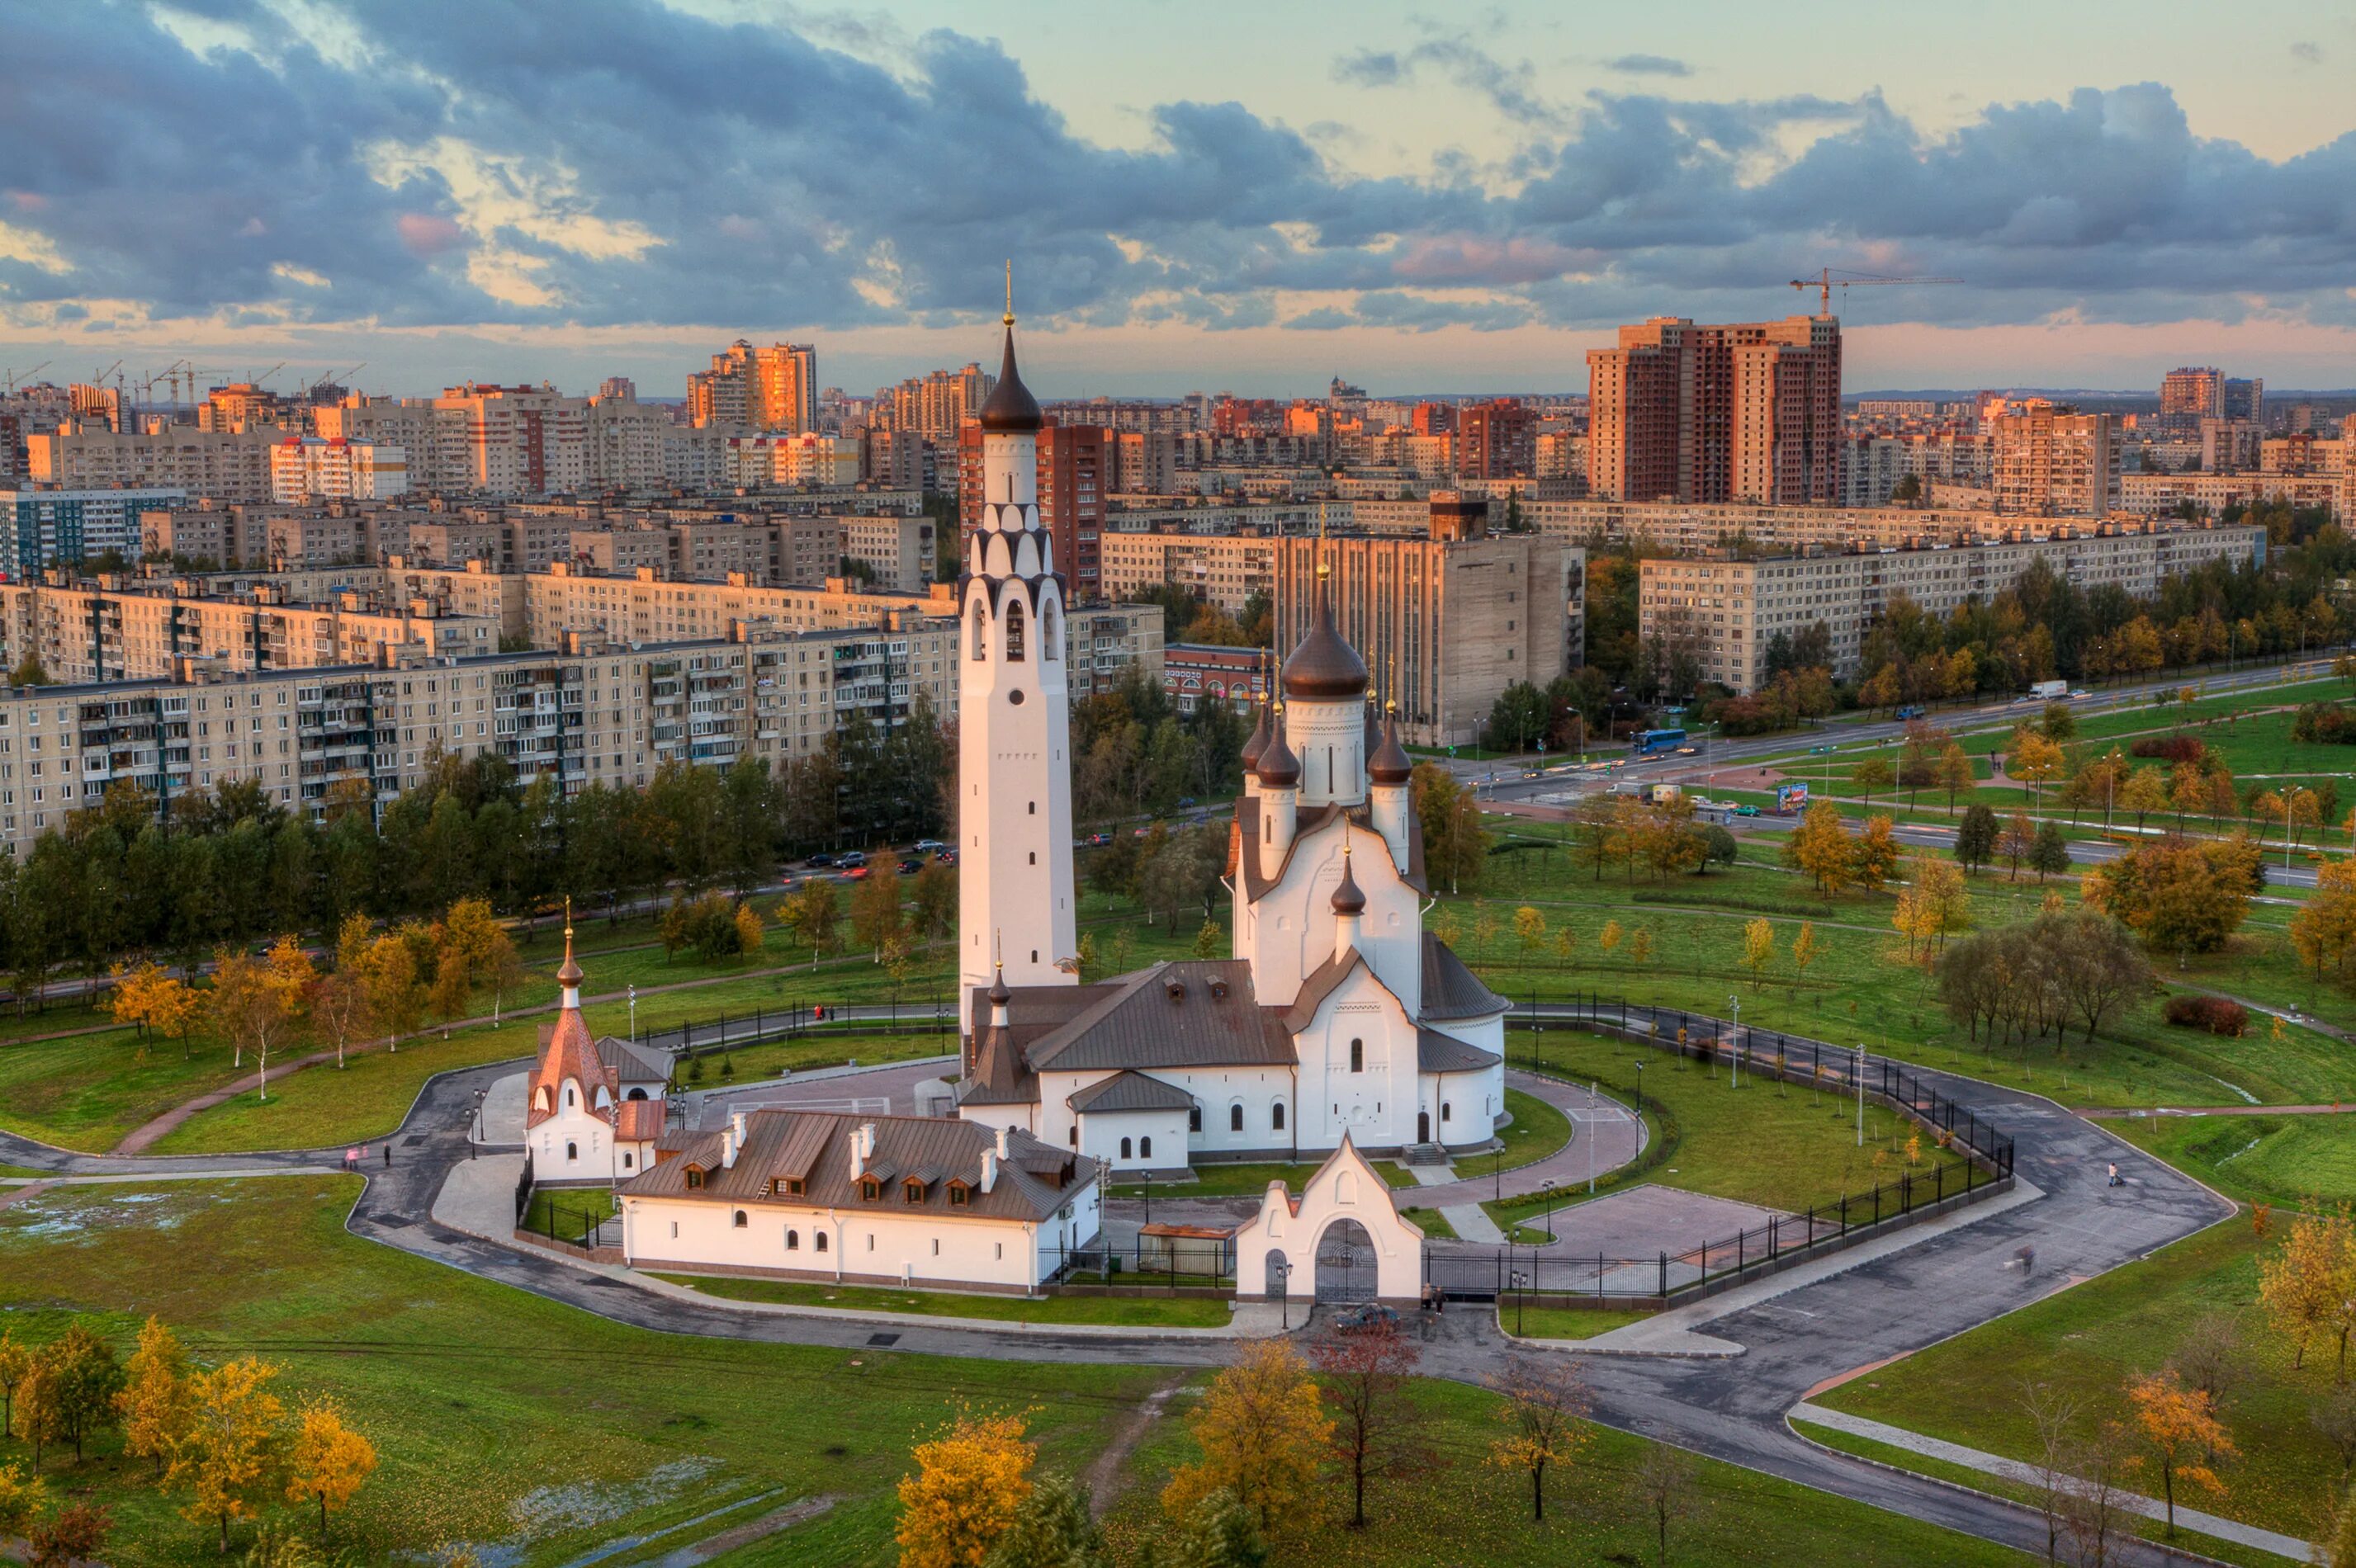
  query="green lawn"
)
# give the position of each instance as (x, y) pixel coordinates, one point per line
(2087, 1340)
(1980, 1481)
(569, 1211)
(1563, 1322)
(532, 1429)
(1183, 1312)
(84, 1092)
(1779, 1146)
(1250, 1180)
(1458, 1508)
(1860, 985)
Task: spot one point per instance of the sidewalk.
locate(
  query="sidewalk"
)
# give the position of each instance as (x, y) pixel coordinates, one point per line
(2022, 1474)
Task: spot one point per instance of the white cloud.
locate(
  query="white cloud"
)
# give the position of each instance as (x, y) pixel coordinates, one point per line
(32, 248)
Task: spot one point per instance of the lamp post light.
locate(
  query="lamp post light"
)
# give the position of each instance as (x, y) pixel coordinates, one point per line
(474, 1128)
(1147, 1177)
(1860, 1093)
(1736, 1003)
(1546, 1187)
(1284, 1293)
(1592, 1125)
(633, 1015)
(1497, 1168)
(1521, 1295)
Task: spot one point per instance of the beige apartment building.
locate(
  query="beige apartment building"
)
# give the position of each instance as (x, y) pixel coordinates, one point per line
(1688, 527)
(128, 629)
(2048, 461)
(593, 713)
(1746, 410)
(1731, 610)
(2158, 496)
(225, 465)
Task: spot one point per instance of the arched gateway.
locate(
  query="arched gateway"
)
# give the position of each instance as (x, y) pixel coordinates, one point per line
(1344, 1210)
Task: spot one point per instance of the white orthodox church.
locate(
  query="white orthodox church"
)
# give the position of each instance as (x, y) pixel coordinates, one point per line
(1338, 1016)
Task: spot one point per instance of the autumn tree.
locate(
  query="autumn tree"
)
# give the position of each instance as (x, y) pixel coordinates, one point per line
(2015, 843)
(934, 894)
(2180, 897)
(473, 951)
(2050, 853)
(1530, 927)
(970, 1479)
(77, 1377)
(1455, 842)
(1544, 1405)
(21, 1500)
(1640, 946)
(2179, 1433)
(227, 1458)
(75, 1534)
(1364, 1377)
(1805, 949)
(1217, 1532)
(392, 994)
(2145, 792)
(1954, 774)
(154, 1403)
(327, 1462)
(2324, 929)
(1870, 776)
(1821, 847)
(1758, 950)
(2036, 759)
(1263, 1429)
(2306, 1284)
(16, 1366)
(1609, 937)
(812, 914)
(1975, 838)
(156, 1002)
(1875, 854)
(875, 917)
(257, 1002)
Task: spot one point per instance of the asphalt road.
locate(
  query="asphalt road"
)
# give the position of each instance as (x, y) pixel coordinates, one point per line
(1730, 1410)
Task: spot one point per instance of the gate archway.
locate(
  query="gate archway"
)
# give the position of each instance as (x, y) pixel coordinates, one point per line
(1346, 1262)
(1280, 1271)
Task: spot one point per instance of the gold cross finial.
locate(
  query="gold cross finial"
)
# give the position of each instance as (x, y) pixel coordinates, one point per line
(1010, 293)
(568, 925)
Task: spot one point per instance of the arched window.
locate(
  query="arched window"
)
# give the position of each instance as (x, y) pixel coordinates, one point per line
(1194, 1119)
(1124, 1148)
(1145, 1148)
(1443, 1110)
(1014, 633)
(980, 630)
(571, 1097)
(1358, 1056)
(629, 1160)
(1235, 1118)
(1051, 635)
(635, 1095)
(817, 1241)
(740, 1221)
(1276, 1117)
(571, 1150)
(793, 1241)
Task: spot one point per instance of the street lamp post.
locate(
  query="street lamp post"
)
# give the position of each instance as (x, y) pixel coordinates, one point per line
(474, 1128)
(1284, 1294)
(1147, 1177)
(1735, 1002)
(1545, 1186)
(633, 1015)
(1521, 1295)
(1860, 1093)
(1591, 1125)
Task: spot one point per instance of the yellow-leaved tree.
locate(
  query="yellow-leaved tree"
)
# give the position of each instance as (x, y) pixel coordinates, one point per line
(1758, 950)
(156, 1001)
(229, 1456)
(328, 1462)
(971, 1477)
(2307, 1283)
(1263, 1430)
(1544, 1403)
(1804, 949)
(2182, 1433)
(154, 1403)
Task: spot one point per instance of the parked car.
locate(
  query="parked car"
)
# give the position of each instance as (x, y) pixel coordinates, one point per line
(1185, 800)
(851, 858)
(1816, 750)
(926, 846)
(1360, 1319)
(821, 862)
(909, 867)
(1746, 810)
(1096, 841)
(1911, 711)
(946, 857)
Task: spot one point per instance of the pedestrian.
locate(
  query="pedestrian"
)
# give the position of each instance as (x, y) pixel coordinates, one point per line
(387, 1155)
(2115, 1173)
(2028, 1260)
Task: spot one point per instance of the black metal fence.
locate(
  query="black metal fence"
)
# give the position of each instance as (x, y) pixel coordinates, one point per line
(1985, 1164)
(572, 1217)
(728, 1031)
(1149, 1264)
(523, 1188)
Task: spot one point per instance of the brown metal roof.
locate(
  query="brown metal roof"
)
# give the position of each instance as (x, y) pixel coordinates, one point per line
(1449, 989)
(814, 1147)
(1324, 667)
(1198, 1012)
(1437, 1053)
(1130, 1092)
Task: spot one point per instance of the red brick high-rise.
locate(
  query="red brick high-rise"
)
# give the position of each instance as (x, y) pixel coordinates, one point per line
(1497, 440)
(1749, 411)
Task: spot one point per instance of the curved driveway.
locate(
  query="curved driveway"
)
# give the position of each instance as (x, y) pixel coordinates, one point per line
(1730, 1409)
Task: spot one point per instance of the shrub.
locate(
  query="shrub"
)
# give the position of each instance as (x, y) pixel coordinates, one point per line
(2172, 748)
(2325, 721)
(2215, 1014)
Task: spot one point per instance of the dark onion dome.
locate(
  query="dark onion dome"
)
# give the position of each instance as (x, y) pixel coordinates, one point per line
(1324, 668)
(1390, 764)
(998, 992)
(1278, 768)
(1259, 741)
(1347, 898)
(1011, 407)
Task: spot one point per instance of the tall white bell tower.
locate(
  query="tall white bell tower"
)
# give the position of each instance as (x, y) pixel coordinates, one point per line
(1014, 751)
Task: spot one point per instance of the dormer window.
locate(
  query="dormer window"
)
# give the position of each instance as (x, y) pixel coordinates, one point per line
(1177, 989)
(1218, 990)
(787, 1187)
(870, 1188)
(959, 1194)
(694, 1178)
(911, 1191)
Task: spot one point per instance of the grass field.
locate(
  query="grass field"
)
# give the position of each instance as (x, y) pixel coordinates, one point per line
(540, 1435)
(570, 1210)
(1458, 1508)
(1861, 987)
(1250, 1180)
(1781, 1146)
(1563, 1322)
(1183, 1312)
(2087, 1340)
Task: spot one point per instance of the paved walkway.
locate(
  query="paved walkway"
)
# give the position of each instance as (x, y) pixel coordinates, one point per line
(2014, 1470)
(1471, 1223)
(1614, 1134)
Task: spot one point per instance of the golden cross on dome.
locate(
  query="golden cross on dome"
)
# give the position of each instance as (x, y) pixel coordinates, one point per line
(1010, 292)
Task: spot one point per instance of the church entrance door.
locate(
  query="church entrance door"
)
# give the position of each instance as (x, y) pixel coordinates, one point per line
(1423, 1127)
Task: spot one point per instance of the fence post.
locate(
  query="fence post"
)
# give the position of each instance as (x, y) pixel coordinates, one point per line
(1877, 1202)
(686, 1035)
(1665, 1276)
(1599, 1277)
(1705, 1258)
(1740, 1249)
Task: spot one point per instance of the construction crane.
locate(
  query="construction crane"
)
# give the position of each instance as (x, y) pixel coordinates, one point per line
(13, 380)
(1829, 278)
(258, 380)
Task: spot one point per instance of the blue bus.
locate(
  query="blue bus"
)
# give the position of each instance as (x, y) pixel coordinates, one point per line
(1649, 743)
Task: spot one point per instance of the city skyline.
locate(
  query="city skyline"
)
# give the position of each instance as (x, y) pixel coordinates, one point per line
(1452, 209)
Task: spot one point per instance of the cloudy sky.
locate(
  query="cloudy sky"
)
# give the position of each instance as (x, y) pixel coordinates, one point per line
(1207, 195)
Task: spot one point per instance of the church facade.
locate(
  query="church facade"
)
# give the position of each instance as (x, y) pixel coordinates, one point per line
(1337, 1017)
